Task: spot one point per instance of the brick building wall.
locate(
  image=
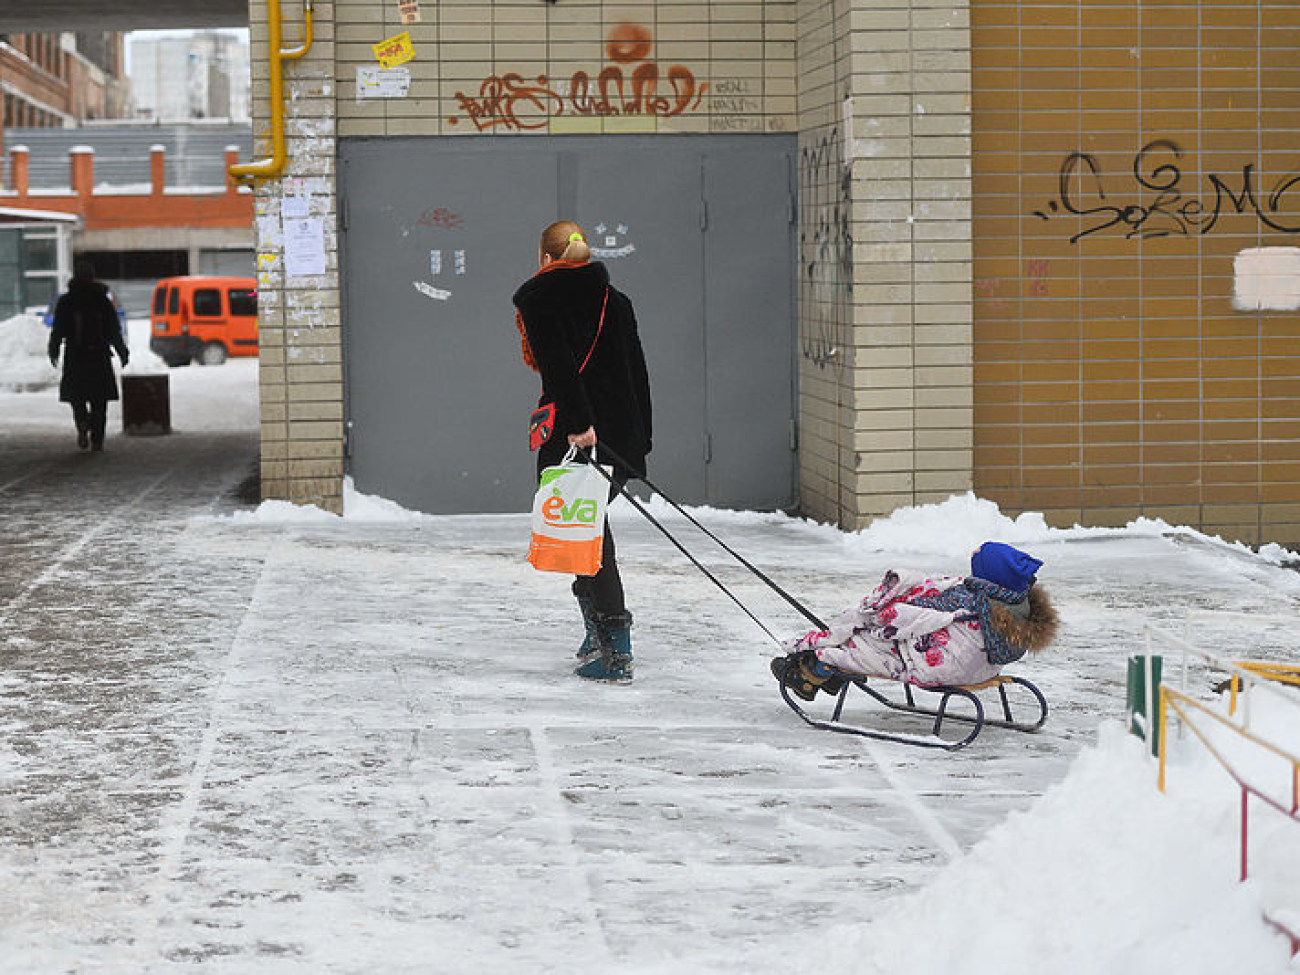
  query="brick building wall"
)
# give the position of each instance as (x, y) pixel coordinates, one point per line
(301, 358)
(963, 321)
(1130, 162)
(885, 367)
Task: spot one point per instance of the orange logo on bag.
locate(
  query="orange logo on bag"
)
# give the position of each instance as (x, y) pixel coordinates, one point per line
(578, 512)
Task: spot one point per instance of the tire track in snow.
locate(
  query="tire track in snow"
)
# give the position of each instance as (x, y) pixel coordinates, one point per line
(10, 485)
(583, 896)
(74, 548)
(908, 798)
(175, 828)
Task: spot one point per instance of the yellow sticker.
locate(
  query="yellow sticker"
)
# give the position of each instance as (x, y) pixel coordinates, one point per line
(394, 51)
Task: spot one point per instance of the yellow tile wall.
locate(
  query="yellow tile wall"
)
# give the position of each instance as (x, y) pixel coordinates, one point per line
(1114, 376)
(523, 66)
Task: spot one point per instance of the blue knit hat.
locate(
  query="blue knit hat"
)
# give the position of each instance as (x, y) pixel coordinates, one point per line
(1004, 566)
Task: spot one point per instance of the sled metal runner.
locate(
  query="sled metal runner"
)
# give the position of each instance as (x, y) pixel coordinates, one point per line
(976, 720)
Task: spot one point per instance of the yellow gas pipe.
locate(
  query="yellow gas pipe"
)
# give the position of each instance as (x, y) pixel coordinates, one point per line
(274, 165)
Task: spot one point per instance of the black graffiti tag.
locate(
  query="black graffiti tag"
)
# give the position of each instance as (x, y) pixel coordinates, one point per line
(826, 250)
(1155, 170)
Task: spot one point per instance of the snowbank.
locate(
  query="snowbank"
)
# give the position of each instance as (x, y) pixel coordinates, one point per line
(356, 507)
(24, 365)
(1104, 874)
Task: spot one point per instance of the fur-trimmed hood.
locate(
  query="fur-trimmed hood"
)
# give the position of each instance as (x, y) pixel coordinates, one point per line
(1033, 630)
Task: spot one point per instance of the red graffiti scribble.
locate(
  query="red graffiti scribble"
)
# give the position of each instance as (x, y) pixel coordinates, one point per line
(629, 42)
(1038, 278)
(508, 102)
(441, 217)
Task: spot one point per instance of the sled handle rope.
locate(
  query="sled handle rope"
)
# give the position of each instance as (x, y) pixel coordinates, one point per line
(803, 610)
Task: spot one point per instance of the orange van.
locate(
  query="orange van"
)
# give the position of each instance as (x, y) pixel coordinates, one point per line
(203, 319)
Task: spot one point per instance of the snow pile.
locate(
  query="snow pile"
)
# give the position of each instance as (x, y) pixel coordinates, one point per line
(24, 365)
(956, 527)
(1104, 874)
(356, 507)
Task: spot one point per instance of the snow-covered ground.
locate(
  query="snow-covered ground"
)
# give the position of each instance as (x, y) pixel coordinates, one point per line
(240, 738)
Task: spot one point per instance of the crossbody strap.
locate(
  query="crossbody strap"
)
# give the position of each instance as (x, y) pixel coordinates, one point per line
(599, 326)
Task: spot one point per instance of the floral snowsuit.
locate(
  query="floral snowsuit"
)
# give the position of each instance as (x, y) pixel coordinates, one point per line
(920, 629)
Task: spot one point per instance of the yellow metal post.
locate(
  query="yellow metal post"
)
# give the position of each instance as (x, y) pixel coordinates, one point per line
(275, 163)
(1164, 723)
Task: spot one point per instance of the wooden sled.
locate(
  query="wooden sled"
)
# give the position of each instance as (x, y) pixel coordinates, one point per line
(973, 715)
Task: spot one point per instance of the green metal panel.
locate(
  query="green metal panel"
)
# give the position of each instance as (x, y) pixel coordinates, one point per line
(13, 288)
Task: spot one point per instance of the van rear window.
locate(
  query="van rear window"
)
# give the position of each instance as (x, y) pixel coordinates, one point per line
(207, 303)
(159, 300)
(243, 301)
(173, 300)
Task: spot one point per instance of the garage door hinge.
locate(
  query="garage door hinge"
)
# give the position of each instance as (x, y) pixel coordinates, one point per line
(347, 439)
(708, 448)
(704, 215)
(794, 434)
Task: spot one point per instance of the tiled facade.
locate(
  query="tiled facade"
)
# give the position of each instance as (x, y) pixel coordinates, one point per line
(1126, 155)
(301, 359)
(885, 262)
(959, 328)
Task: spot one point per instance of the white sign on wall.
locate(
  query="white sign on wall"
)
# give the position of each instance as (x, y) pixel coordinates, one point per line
(376, 82)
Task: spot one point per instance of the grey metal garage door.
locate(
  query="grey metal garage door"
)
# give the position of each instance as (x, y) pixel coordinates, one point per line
(697, 230)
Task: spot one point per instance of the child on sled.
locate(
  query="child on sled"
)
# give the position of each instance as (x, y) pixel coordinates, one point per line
(930, 630)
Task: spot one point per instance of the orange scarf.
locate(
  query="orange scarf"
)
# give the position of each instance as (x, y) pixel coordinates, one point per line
(527, 349)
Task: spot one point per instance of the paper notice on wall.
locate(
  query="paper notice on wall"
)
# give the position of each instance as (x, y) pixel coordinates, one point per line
(295, 207)
(304, 248)
(373, 82)
(1266, 279)
(409, 10)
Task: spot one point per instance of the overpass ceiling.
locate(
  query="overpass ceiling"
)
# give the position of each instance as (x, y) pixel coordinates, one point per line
(55, 15)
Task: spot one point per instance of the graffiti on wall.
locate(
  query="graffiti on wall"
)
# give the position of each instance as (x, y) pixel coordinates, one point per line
(1174, 211)
(631, 85)
(825, 249)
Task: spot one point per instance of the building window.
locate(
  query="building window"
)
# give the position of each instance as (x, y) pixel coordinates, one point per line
(41, 265)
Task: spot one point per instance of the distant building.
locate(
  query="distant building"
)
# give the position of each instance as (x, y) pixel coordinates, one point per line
(143, 201)
(204, 75)
(62, 79)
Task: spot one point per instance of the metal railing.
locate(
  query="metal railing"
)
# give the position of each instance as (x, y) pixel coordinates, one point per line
(1198, 717)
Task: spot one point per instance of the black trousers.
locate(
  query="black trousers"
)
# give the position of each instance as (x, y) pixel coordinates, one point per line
(605, 588)
(91, 416)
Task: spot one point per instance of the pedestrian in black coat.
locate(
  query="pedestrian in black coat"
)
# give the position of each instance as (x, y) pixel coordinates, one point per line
(87, 328)
(569, 314)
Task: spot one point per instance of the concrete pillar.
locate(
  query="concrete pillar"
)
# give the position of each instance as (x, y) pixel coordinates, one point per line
(18, 170)
(82, 159)
(157, 169)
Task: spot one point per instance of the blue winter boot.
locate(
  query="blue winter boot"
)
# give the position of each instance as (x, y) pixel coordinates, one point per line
(589, 648)
(613, 641)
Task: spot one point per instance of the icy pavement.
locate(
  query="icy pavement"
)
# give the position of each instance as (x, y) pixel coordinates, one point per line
(231, 743)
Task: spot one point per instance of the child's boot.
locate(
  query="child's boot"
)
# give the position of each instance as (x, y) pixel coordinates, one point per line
(805, 675)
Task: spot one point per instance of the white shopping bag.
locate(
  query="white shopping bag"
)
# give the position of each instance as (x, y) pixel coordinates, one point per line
(569, 517)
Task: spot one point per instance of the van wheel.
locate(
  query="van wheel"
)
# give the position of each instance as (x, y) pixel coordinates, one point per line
(214, 354)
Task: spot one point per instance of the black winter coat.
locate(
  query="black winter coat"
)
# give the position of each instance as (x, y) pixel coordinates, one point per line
(86, 325)
(560, 311)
